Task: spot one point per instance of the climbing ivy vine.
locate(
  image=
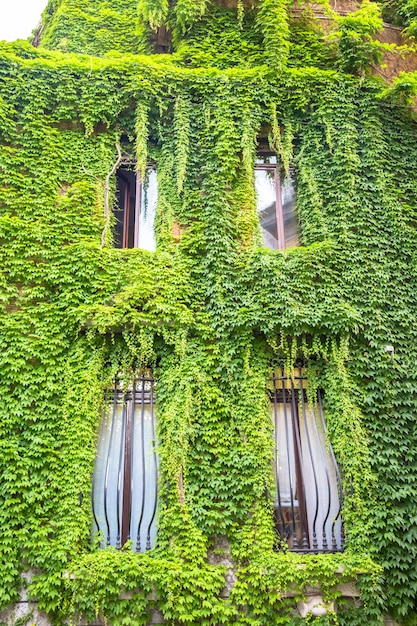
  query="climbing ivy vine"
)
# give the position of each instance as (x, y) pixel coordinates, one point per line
(212, 312)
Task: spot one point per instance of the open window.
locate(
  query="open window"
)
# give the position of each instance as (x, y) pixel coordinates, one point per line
(308, 500)
(125, 483)
(276, 200)
(135, 208)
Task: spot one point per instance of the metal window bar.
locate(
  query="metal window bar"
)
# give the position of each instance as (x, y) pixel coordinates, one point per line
(125, 482)
(307, 508)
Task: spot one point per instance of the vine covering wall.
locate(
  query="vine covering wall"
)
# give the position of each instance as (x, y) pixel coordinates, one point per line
(212, 312)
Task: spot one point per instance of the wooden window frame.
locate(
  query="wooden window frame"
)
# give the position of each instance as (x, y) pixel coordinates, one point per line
(127, 204)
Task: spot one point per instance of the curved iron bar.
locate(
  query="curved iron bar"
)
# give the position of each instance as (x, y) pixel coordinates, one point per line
(93, 508)
(132, 465)
(128, 462)
(339, 481)
(329, 490)
(287, 429)
(120, 473)
(106, 478)
(142, 449)
(280, 513)
(301, 497)
(316, 512)
(155, 460)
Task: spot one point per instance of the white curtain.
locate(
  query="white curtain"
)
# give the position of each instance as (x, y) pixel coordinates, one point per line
(109, 476)
(149, 200)
(302, 455)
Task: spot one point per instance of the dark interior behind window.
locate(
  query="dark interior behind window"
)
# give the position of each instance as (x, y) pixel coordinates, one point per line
(136, 200)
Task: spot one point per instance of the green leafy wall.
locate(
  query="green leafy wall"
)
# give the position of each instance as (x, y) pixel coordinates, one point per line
(92, 28)
(212, 313)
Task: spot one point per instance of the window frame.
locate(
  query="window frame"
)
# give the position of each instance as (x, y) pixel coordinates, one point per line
(273, 167)
(139, 179)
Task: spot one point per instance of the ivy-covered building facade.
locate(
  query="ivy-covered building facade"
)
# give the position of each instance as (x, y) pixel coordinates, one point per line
(208, 355)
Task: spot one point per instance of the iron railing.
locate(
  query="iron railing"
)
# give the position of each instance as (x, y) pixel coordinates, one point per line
(308, 485)
(125, 483)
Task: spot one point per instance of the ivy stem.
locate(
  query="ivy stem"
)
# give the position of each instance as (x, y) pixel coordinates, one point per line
(107, 193)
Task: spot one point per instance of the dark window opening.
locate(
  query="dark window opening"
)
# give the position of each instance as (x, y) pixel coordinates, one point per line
(135, 208)
(125, 483)
(161, 40)
(276, 199)
(307, 508)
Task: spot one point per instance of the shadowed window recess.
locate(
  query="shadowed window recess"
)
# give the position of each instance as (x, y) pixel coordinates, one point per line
(134, 212)
(276, 198)
(125, 483)
(308, 501)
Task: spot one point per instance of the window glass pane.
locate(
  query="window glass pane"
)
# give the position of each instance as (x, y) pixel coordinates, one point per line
(277, 215)
(288, 210)
(109, 464)
(149, 194)
(266, 194)
(124, 211)
(266, 159)
(287, 509)
(135, 209)
(284, 439)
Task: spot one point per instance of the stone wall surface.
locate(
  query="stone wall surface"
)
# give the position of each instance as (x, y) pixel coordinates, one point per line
(27, 614)
(24, 609)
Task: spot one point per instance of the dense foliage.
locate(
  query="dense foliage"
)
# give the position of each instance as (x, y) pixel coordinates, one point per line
(211, 311)
(92, 28)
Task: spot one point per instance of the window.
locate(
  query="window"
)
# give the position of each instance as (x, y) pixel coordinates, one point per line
(309, 494)
(135, 208)
(125, 483)
(276, 204)
(161, 40)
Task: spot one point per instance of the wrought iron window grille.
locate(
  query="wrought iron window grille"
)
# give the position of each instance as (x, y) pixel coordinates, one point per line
(125, 482)
(307, 507)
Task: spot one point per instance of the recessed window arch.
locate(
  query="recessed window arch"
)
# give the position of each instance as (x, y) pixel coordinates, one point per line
(307, 507)
(135, 208)
(125, 481)
(276, 199)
